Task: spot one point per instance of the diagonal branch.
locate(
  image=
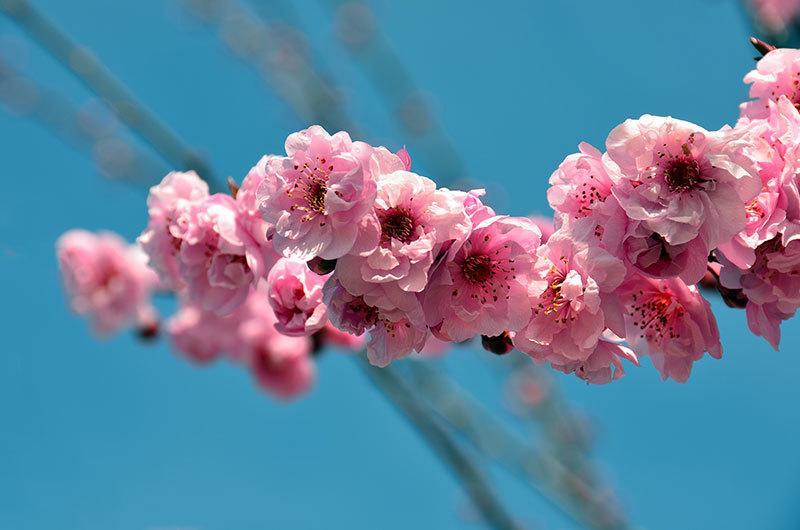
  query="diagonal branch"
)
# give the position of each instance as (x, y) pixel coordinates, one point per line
(100, 81)
(115, 155)
(454, 457)
(565, 488)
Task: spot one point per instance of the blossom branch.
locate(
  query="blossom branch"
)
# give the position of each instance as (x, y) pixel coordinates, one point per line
(174, 150)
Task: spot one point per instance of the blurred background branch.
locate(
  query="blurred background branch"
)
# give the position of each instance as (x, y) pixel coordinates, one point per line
(86, 129)
(82, 63)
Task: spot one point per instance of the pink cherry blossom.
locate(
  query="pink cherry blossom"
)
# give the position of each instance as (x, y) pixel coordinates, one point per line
(580, 194)
(771, 285)
(571, 302)
(581, 183)
(218, 259)
(773, 144)
(777, 74)
(106, 280)
(680, 181)
(404, 157)
(393, 333)
(251, 221)
(295, 294)
(474, 207)
(319, 195)
(602, 366)
(482, 288)
(201, 336)
(414, 220)
(167, 205)
(671, 322)
(651, 255)
(280, 364)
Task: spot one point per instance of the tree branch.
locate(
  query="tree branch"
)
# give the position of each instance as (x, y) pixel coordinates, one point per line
(454, 457)
(100, 81)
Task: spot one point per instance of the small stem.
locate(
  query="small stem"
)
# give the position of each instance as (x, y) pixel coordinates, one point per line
(458, 460)
(762, 47)
(100, 81)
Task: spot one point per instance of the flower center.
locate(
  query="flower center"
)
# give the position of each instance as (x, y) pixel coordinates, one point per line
(368, 315)
(315, 195)
(683, 174)
(477, 269)
(310, 188)
(397, 223)
(655, 314)
(588, 195)
(552, 302)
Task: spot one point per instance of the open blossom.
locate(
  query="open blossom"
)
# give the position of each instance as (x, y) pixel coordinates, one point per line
(167, 205)
(581, 183)
(393, 333)
(671, 322)
(777, 74)
(318, 196)
(482, 288)
(773, 145)
(414, 220)
(106, 280)
(295, 294)
(280, 364)
(570, 299)
(603, 365)
(651, 255)
(680, 181)
(218, 259)
(580, 194)
(771, 285)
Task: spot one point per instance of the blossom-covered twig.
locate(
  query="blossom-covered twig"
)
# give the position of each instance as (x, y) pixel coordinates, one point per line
(98, 79)
(139, 119)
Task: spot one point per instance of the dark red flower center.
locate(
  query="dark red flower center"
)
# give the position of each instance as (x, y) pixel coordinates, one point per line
(682, 174)
(477, 269)
(397, 223)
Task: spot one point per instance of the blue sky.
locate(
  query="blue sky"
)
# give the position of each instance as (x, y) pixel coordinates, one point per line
(113, 434)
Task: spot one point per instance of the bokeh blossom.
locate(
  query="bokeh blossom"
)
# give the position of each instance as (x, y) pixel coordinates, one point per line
(106, 280)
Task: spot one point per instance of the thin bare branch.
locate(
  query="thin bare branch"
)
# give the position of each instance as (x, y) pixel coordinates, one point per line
(99, 80)
(453, 456)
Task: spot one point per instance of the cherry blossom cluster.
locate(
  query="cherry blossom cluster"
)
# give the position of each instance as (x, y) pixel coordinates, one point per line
(337, 238)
